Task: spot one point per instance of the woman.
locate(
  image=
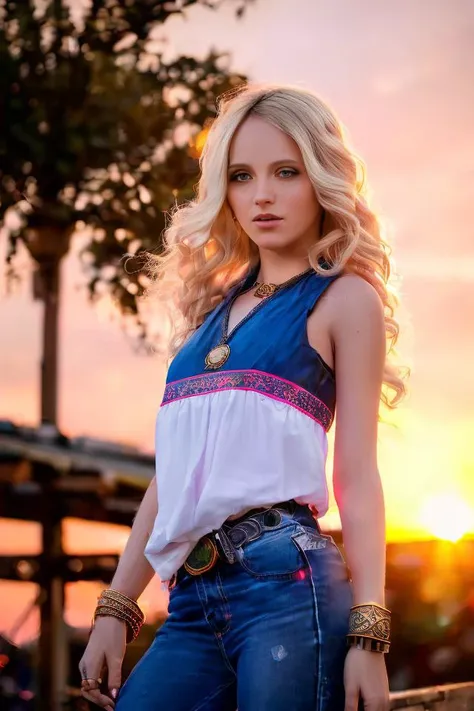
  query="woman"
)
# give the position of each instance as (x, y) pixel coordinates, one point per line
(279, 275)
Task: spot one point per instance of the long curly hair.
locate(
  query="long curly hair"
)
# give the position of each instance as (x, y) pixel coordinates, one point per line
(206, 252)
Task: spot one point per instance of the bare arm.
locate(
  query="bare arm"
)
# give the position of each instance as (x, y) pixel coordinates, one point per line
(134, 571)
(106, 646)
(360, 344)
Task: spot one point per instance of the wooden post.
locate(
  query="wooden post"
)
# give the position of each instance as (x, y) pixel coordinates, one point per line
(49, 279)
(52, 647)
(48, 245)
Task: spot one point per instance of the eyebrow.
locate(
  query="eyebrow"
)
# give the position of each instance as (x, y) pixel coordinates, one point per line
(283, 161)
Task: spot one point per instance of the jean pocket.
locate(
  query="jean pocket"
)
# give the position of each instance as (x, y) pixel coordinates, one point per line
(320, 551)
(274, 555)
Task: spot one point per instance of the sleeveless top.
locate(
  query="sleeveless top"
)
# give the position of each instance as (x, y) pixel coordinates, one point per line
(251, 433)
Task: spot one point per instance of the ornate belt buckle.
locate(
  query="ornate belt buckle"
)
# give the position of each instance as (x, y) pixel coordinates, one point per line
(224, 544)
(202, 558)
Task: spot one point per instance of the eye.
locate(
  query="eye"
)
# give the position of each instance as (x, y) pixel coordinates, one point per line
(290, 172)
(236, 178)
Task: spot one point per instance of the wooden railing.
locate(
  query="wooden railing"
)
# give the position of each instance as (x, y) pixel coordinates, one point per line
(454, 697)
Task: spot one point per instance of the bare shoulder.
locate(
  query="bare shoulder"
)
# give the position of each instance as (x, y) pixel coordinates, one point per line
(349, 311)
(352, 303)
(352, 288)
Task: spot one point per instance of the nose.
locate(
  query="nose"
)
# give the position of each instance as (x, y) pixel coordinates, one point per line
(264, 194)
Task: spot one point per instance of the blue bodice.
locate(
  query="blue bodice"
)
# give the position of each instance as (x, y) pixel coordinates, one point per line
(272, 340)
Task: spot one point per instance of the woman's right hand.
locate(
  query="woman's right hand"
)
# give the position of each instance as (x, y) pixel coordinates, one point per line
(105, 649)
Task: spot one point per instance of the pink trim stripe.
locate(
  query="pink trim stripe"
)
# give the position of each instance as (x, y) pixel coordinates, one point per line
(250, 370)
(253, 381)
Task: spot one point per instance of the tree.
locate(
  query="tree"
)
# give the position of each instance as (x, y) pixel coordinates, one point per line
(96, 135)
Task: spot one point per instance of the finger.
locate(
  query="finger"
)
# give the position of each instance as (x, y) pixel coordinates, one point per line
(91, 683)
(82, 671)
(96, 703)
(114, 675)
(352, 700)
(375, 703)
(96, 697)
(90, 673)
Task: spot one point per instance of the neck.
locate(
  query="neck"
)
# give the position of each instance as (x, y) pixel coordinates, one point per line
(274, 270)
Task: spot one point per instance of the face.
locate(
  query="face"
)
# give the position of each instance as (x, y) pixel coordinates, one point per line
(267, 175)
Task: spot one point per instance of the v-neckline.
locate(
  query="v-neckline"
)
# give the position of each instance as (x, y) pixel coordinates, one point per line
(243, 289)
(228, 334)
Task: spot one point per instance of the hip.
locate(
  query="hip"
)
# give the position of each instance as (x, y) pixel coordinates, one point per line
(256, 560)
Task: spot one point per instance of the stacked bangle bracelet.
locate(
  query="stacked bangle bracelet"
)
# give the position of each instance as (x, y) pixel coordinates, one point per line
(369, 627)
(112, 603)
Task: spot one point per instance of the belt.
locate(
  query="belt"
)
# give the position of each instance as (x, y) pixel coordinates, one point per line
(219, 545)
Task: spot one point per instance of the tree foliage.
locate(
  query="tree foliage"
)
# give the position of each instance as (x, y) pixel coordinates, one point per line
(96, 129)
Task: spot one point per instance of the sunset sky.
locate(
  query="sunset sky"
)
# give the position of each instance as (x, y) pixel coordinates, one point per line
(400, 76)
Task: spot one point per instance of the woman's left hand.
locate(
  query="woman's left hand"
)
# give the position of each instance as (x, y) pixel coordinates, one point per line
(365, 676)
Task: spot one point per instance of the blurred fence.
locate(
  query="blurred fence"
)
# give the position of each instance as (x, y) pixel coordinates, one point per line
(455, 697)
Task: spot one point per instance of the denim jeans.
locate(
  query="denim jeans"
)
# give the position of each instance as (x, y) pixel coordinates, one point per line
(265, 633)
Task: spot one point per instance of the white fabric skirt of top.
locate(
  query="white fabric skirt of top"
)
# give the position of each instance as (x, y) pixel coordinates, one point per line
(219, 453)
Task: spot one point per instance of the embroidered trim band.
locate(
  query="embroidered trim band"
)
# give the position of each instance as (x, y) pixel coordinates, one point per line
(264, 383)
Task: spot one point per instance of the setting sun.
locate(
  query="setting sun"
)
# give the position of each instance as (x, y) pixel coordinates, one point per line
(447, 516)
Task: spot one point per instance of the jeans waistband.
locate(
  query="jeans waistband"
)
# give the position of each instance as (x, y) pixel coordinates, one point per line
(236, 533)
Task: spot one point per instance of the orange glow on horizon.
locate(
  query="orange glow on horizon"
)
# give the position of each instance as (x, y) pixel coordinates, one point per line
(447, 516)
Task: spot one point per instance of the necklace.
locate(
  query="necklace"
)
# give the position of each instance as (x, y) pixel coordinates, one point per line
(218, 355)
(265, 289)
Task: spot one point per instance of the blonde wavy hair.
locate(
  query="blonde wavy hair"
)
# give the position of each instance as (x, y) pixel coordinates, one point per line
(206, 252)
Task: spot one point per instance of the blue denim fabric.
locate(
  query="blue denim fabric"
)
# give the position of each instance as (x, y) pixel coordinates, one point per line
(274, 340)
(266, 633)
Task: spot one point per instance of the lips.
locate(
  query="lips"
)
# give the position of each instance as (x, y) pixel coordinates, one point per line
(266, 217)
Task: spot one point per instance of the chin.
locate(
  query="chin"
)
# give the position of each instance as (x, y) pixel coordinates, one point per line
(271, 241)
(275, 245)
